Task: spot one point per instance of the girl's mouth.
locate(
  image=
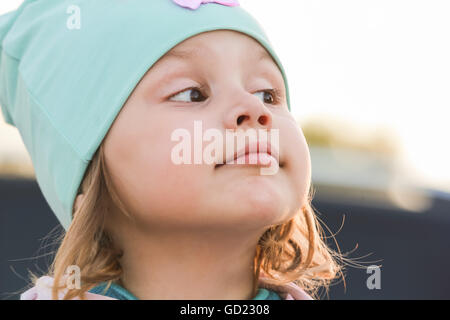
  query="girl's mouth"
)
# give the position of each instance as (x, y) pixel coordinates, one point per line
(251, 159)
(255, 153)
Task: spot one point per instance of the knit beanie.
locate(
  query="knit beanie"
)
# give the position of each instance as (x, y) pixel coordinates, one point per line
(68, 66)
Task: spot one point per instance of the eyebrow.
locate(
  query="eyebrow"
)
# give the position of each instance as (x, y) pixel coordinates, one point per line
(181, 54)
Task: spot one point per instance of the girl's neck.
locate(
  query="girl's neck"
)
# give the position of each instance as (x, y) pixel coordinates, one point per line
(182, 266)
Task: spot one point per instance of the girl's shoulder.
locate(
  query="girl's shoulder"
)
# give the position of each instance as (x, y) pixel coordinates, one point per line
(42, 290)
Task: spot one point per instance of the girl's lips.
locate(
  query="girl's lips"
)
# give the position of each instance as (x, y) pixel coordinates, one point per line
(252, 159)
(259, 152)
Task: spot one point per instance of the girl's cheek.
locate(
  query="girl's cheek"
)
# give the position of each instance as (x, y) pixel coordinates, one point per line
(298, 158)
(305, 170)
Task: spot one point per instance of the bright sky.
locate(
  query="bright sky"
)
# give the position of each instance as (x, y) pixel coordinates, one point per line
(372, 62)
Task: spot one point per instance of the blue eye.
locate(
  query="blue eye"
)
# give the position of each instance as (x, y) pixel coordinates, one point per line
(190, 93)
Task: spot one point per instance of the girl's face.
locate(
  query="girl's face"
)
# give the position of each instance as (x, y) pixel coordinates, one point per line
(220, 78)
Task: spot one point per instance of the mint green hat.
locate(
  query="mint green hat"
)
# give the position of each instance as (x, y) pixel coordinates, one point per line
(68, 67)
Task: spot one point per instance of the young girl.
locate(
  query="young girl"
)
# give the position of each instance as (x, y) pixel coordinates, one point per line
(97, 90)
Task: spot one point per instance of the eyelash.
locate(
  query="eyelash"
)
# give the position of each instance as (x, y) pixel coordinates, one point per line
(276, 94)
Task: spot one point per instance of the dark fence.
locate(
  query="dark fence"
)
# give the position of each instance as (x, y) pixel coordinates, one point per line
(412, 249)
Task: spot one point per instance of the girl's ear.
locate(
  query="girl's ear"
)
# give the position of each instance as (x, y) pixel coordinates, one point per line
(79, 199)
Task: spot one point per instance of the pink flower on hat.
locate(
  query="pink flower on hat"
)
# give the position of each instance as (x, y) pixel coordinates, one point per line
(194, 4)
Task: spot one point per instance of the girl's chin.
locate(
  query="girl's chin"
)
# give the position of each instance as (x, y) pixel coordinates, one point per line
(256, 187)
(259, 201)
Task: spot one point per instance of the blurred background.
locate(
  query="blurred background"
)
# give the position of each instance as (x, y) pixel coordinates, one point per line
(369, 84)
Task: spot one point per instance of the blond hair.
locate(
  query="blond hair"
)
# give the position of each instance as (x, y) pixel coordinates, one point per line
(294, 251)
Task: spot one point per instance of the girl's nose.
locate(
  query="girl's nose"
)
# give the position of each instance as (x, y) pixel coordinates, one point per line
(248, 112)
